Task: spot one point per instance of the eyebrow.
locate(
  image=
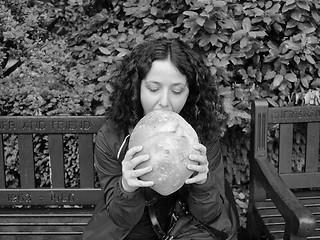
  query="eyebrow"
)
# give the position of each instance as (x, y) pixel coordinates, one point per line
(158, 82)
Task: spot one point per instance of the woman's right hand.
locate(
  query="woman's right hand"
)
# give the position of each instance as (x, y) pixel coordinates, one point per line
(130, 175)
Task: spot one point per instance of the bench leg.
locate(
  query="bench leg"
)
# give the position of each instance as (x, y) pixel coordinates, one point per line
(253, 226)
(288, 236)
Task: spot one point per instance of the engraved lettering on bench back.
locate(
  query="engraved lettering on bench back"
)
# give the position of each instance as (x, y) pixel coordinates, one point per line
(68, 124)
(62, 197)
(7, 125)
(19, 198)
(58, 125)
(34, 125)
(41, 197)
(294, 114)
(52, 197)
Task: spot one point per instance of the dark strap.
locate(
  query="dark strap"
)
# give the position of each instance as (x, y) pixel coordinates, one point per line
(219, 235)
(155, 224)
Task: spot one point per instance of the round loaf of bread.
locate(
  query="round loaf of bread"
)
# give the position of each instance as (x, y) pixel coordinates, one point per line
(168, 139)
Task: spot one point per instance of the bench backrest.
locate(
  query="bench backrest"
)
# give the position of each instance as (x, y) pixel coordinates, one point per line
(54, 128)
(291, 143)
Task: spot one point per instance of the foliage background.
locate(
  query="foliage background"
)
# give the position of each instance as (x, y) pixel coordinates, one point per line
(56, 58)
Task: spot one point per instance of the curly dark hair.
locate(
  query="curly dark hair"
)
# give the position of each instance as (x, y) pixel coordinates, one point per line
(203, 106)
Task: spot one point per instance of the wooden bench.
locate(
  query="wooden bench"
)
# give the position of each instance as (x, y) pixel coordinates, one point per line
(55, 211)
(58, 211)
(284, 204)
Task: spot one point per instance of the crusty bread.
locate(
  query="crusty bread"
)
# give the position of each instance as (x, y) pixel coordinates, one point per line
(169, 140)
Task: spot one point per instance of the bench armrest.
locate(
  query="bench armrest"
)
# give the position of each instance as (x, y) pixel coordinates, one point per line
(299, 220)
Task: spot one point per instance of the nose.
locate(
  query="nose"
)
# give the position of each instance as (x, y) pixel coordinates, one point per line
(164, 99)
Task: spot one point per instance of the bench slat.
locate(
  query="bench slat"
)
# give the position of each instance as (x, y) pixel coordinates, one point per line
(302, 180)
(2, 164)
(285, 148)
(40, 233)
(56, 160)
(26, 162)
(86, 160)
(32, 237)
(40, 212)
(312, 151)
(43, 230)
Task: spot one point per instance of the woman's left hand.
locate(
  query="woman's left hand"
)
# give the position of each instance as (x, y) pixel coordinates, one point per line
(201, 166)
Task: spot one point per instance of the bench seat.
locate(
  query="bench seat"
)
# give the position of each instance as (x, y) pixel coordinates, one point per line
(274, 222)
(43, 223)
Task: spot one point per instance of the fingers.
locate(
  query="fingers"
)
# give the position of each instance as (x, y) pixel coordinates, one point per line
(131, 152)
(136, 183)
(201, 161)
(201, 148)
(133, 184)
(136, 173)
(200, 176)
(131, 175)
(200, 166)
(133, 163)
(130, 161)
(197, 179)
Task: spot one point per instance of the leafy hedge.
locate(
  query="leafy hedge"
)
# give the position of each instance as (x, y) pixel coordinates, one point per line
(69, 48)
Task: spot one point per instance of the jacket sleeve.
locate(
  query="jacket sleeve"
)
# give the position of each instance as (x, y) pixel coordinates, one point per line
(125, 209)
(206, 200)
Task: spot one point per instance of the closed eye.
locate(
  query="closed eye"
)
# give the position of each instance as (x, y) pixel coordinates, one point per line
(153, 89)
(152, 86)
(178, 91)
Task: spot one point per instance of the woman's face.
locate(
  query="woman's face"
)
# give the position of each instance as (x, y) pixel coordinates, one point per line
(163, 88)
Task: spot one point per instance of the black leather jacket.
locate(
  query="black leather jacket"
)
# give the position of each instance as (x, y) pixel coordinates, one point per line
(117, 214)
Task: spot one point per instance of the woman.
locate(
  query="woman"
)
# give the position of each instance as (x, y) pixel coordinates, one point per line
(158, 74)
